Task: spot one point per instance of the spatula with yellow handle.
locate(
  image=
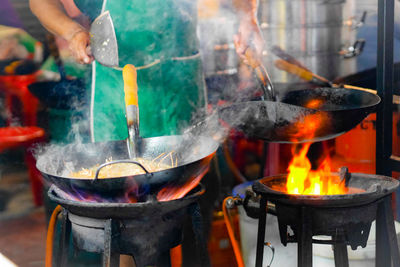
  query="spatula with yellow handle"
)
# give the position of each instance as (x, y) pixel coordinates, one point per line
(132, 108)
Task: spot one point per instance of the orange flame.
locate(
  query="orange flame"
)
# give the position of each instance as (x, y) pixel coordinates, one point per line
(303, 180)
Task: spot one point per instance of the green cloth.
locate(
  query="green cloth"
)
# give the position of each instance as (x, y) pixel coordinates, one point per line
(162, 34)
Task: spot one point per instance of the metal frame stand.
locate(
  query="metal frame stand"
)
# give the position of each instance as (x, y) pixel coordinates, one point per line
(386, 163)
(387, 250)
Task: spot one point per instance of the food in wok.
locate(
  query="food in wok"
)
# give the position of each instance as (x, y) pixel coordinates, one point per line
(126, 168)
(191, 157)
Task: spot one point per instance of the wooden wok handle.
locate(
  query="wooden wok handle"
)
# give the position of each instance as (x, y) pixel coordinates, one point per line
(396, 98)
(308, 76)
(132, 108)
(130, 85)
(293, 69)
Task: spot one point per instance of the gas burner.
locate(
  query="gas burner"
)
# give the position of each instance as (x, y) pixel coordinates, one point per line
(345, 218)
(146, 231)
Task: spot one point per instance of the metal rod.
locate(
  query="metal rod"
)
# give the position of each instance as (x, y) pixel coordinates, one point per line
(110, 255)
(198, 230)
(262, 219)
(64, 239)
(304, 238)
(391, 232)
(96, 176)
(164, 259)
(384, 78)
(340, 251)
(382, 251)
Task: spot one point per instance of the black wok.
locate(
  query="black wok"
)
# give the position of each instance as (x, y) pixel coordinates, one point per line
(309, 115)
(193, 157)
(64, 94)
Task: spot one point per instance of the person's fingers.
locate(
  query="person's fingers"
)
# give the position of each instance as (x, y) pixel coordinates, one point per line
(82, 48)
(79, 47)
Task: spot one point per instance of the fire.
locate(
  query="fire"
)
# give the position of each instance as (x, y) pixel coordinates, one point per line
(303, 180)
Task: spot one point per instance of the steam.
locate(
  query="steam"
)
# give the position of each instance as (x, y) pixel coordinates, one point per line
(227, 80)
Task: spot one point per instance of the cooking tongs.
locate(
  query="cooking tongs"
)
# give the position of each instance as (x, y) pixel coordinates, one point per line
(261, 73)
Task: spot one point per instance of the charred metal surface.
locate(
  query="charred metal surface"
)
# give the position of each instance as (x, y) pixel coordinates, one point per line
(376, 187)
(146, 231)
(125, 210)
(327, 109)
(345, 218)
(354, 222)
(193, 156)
(345, 175)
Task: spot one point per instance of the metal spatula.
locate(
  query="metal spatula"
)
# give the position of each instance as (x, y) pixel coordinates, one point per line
(103, 41)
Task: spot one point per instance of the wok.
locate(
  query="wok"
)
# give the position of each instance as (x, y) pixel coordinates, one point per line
(308, 115)
(193, 156)
(64, 94)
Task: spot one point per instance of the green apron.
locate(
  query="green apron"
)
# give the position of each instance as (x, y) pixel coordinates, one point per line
(159, 38)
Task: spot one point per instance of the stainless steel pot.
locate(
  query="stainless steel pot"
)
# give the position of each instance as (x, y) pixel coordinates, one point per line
(216, 44)
(319, 33)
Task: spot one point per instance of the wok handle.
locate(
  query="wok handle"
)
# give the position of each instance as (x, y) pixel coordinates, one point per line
(279, 52)
(96, 176)
(261, 73)
(132, 107)
(301, 72)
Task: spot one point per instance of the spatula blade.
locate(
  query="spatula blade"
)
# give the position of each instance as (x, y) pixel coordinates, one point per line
(103, 41)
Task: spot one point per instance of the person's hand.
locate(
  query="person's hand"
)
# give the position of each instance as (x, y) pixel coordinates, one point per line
(79, 47)
(249, 35)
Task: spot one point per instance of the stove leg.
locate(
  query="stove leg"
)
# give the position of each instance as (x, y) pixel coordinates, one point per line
(340, 252)
(164, 260)
(262, 219)
(110, 255)
(386, 236)
(198, 230)
(304, 239)
(64, 239)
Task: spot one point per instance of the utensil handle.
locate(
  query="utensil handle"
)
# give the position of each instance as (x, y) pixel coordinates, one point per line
(293, 69)
(96, 176)
(279, 52)
(51, 41)
(311, 77)
(132, 107)
(261, 72)
(301, 72)
(130, 85)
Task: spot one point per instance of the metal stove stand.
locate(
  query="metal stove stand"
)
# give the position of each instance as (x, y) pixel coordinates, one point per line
(346, 226)
(147, 231)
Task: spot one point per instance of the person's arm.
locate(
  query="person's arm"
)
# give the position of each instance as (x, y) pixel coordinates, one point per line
(52, 16)
(249, 33)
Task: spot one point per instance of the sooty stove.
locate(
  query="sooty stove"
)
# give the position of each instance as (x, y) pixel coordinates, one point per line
(345, 218)
(146, 231)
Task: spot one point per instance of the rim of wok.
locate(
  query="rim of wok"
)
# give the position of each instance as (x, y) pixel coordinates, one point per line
(210, 151)
(275, 121)
(126, 210)
(362, 181)
(374, 98)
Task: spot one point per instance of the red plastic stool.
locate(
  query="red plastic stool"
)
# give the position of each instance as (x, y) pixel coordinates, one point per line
(17, 86)
(11, 137)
